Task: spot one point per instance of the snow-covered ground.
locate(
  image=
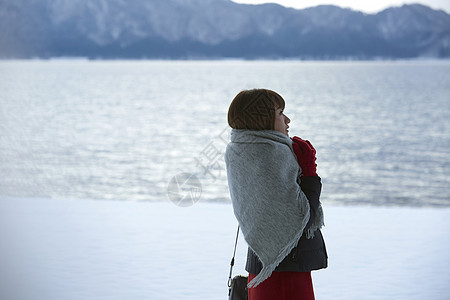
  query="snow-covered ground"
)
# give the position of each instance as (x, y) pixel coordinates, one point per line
(85, 249)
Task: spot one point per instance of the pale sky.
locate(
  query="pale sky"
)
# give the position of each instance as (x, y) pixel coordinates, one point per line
(361, 5)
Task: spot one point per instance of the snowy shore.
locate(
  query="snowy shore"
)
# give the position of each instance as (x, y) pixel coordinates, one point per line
(86, 249)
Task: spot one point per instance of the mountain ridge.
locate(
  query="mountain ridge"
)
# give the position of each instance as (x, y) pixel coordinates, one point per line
(216, 29)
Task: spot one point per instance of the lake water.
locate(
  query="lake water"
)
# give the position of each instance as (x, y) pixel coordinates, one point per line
(121, 130)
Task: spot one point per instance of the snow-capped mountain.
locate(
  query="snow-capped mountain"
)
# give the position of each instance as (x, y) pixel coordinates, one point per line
(216, 28)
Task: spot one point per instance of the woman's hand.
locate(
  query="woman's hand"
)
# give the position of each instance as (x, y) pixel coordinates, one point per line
(306, 156)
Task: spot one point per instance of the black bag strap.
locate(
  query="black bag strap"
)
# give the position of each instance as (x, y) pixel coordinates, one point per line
(232, 260)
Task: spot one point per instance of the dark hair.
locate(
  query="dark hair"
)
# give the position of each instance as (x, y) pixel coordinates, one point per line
(254, 109)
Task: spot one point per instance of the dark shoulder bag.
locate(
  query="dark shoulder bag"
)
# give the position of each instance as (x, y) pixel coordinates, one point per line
(237, 287)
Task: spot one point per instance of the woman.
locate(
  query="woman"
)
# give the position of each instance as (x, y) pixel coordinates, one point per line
(275, 193)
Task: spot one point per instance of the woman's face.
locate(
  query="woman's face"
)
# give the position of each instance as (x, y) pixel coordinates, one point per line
(281, 122)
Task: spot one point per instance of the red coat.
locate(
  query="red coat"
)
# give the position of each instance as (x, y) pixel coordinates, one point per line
(283, 286)
(291, 280)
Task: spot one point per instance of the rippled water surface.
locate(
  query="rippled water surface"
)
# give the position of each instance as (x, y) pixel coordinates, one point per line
(122, 130)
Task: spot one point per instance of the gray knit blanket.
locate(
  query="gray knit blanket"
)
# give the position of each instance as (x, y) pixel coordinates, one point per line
(264, 183)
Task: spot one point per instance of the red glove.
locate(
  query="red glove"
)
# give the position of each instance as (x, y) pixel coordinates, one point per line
(306, 156)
